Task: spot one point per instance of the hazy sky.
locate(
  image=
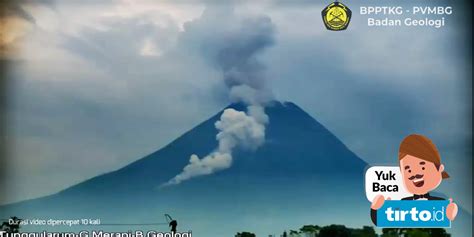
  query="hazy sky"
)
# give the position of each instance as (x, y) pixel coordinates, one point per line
(98, 84)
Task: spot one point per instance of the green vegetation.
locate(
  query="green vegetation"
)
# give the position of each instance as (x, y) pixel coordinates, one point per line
(245, 234)
(400, 232)
(366, 231)
(11, 226)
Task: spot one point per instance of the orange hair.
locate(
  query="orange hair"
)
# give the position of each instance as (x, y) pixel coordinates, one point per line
(421, 147)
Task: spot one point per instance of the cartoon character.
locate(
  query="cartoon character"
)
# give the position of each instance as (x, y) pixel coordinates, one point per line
(422, 172)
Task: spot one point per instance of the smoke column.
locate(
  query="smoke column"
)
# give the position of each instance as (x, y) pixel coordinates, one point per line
(234, 53)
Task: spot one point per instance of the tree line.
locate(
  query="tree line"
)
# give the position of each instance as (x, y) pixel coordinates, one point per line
(366, 231)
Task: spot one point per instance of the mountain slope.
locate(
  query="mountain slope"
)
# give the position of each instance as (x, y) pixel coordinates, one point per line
(294, 140)
(302, 174)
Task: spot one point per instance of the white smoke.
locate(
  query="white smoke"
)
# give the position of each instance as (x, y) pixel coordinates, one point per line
(234, 52)
(236, 128)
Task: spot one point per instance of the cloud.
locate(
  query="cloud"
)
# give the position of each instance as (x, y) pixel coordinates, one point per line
(373, 86)
(16, 8)
(90, 97)
(14, 24)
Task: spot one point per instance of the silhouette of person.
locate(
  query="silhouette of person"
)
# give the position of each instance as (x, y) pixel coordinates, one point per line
(173, 224)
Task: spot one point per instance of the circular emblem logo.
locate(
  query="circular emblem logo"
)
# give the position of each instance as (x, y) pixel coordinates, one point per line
(336, 16)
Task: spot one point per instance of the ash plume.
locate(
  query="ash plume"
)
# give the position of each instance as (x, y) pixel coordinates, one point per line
(233, 50)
